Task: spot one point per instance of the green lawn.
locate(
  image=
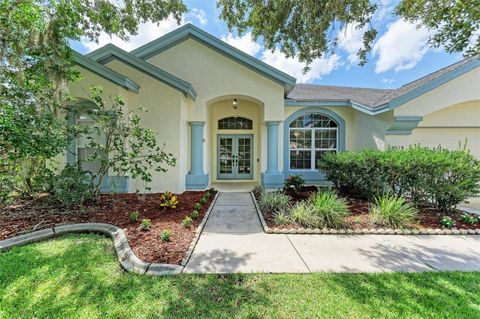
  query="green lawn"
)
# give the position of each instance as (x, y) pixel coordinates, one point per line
(79, 277)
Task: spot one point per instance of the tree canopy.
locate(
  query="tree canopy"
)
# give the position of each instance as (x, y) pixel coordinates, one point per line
(306, 28)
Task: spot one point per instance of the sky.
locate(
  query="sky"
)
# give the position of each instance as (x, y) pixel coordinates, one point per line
(400, 52)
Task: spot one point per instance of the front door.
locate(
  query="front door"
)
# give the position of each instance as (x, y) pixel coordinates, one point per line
(234, 156)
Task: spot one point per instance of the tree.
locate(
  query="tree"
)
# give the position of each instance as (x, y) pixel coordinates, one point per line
(306, 28)
(117, 142)
(36, 65)
(456, 23)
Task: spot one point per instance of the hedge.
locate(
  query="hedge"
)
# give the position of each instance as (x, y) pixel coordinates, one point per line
(439, 177)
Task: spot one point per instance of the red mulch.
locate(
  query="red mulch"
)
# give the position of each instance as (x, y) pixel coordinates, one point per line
(428, 217)
(115, 209)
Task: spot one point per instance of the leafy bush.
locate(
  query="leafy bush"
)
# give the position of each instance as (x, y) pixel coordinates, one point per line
(165, 235)
(281, 218)
(146, 224)
(330, 208)
(69, 188)
(440, 177)
(197, 206)
(168, 199)
(187, 222)
(134, 216)
(469, 219)
(447, 222)
(195, 214)
(393, 211)
(273, 201)
(293, 183)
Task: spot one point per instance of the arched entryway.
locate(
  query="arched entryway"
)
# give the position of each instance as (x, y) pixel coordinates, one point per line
(234, 124)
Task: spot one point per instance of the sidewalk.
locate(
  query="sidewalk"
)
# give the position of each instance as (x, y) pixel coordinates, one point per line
(233, 241)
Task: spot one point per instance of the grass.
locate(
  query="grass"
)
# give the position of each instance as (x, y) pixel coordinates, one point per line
(79, 277)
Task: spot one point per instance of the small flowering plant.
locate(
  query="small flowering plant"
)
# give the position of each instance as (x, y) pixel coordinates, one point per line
(168, 199)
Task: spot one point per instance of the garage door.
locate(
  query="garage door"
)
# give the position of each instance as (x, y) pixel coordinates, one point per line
(448, 137)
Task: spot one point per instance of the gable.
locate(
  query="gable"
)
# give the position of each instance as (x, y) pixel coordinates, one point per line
(111, 52)
(460, 89)
(188, 31)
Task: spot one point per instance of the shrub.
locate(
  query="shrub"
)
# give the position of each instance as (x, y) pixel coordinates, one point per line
(197, 206)
(69, 188)
(146, 224)
(207, 194)
(293, 183)
(187, 222)
(273, 201)
(330, 208)
(469, 219)
(447, 222)
(303, 213)
(440, 177)
(165, 235)
(393, 211)
(134, 216)
(195, 214)
(168, 199)
(281, 218)
(203, 201)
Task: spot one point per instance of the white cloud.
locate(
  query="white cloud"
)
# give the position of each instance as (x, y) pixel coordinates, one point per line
(350, 40)
(199, 15)
(401, 47)
(388, 81)
(244, 43)
(146, 32)
(292, 66)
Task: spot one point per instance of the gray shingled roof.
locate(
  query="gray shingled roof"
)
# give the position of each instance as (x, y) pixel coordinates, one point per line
(371, 97)
(312, 92)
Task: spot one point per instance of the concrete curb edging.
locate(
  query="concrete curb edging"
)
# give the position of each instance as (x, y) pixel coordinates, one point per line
(265, 227)
(198, 232)
(373, 231)
(126, 257)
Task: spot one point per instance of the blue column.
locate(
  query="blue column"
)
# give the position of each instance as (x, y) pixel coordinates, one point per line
(272, 147)
(196, 178)
(272, 178)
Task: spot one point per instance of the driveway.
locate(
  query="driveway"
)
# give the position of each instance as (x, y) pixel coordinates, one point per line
(233, 241)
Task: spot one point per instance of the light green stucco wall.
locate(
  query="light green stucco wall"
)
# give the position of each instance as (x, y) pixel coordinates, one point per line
(218, 78)
(166, 115)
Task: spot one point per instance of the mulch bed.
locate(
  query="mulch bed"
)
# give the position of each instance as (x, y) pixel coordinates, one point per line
(428, 217)
(26, 216)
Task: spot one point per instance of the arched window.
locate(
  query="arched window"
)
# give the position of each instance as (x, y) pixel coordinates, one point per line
(235, 123)
(311, 137)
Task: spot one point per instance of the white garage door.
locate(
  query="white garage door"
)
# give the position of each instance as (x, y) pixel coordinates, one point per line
(448, 137)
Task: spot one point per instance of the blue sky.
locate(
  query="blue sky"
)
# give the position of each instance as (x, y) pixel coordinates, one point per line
(401, 53)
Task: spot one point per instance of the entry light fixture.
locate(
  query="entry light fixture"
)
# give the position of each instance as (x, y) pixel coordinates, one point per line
(235, 104)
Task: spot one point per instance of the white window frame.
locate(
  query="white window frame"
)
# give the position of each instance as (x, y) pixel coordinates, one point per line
(313, 149)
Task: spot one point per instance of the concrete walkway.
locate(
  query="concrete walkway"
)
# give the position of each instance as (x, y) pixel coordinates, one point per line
(233, 241)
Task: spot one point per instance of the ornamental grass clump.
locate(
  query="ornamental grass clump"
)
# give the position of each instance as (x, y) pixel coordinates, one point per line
(330, 208)
(303, 213)
(281, 218)
(273, 201)
(392, 211)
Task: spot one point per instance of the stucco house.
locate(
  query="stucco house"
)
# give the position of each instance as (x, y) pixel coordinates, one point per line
(233, 121)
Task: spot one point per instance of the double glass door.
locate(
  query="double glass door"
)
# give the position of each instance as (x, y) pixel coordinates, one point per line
(234, 156)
